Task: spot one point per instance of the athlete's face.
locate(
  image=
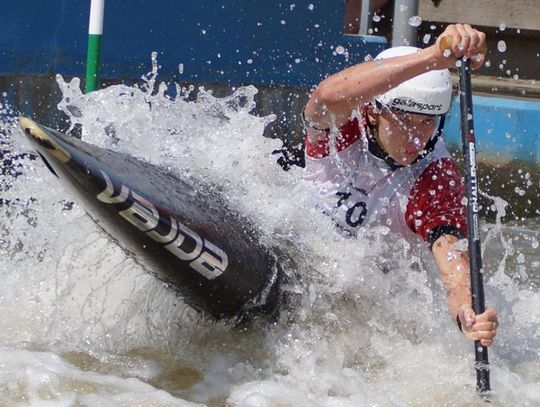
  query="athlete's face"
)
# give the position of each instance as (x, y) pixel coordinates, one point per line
(404, 135)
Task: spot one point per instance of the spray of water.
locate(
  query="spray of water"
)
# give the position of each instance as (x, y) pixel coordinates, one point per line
(369, 326)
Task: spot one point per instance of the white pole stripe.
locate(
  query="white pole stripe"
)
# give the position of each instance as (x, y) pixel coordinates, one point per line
(96, 17)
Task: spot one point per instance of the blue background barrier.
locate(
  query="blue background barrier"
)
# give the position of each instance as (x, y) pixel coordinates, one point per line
(267, 42)
(506, 129)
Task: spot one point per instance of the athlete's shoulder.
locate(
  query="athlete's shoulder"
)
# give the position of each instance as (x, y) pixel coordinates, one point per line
(440, 175)
(319, 142)
(437, 199)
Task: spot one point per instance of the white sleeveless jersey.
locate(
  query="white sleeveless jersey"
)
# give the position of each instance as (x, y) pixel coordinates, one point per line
(358, 189)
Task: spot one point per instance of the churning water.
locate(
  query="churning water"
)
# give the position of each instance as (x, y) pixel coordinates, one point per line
(83, 324)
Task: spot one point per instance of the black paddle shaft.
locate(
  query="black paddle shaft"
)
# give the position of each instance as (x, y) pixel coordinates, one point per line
(473, 222)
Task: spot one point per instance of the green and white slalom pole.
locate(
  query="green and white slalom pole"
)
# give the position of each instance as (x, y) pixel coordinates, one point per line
(95, 31)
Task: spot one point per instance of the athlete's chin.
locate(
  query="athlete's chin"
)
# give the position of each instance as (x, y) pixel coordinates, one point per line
(407, 158)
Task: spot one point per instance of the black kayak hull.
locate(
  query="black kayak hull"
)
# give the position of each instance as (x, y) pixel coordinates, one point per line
(182, 232)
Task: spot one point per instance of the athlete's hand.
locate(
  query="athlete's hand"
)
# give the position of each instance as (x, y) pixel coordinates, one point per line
(460, 40)
(481, 327)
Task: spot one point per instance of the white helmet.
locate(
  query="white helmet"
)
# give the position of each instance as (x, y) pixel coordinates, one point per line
(429, 93)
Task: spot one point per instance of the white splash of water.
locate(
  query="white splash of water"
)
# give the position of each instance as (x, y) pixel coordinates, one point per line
(370, 327)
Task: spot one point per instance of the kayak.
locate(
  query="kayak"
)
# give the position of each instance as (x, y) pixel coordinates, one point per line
(182, 231)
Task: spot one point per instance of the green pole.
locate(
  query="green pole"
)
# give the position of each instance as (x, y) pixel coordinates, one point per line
(95, 31)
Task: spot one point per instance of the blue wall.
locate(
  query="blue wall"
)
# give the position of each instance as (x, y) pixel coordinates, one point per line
(261, 42)
(505, 128)
(236, 41)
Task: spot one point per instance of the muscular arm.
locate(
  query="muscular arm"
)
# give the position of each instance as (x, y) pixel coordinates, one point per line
(336, 97)
(454, 270)
(333, 101)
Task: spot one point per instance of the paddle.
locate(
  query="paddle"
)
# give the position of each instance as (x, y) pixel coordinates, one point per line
(473, 221)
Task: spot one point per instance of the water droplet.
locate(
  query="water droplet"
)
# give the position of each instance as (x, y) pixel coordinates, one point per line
(249, 61)
(340, 50)
(502, 27)
(403, 8)
(432, 27)
(516, 77)
(310, 7)
(447, 53)
(501, 46)
(180, 68)
(458, 63)
(376, 18)
(469, 116)
(519, 191)
(488, 63)
(426, 38)
(415, 21)
(283, 22)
